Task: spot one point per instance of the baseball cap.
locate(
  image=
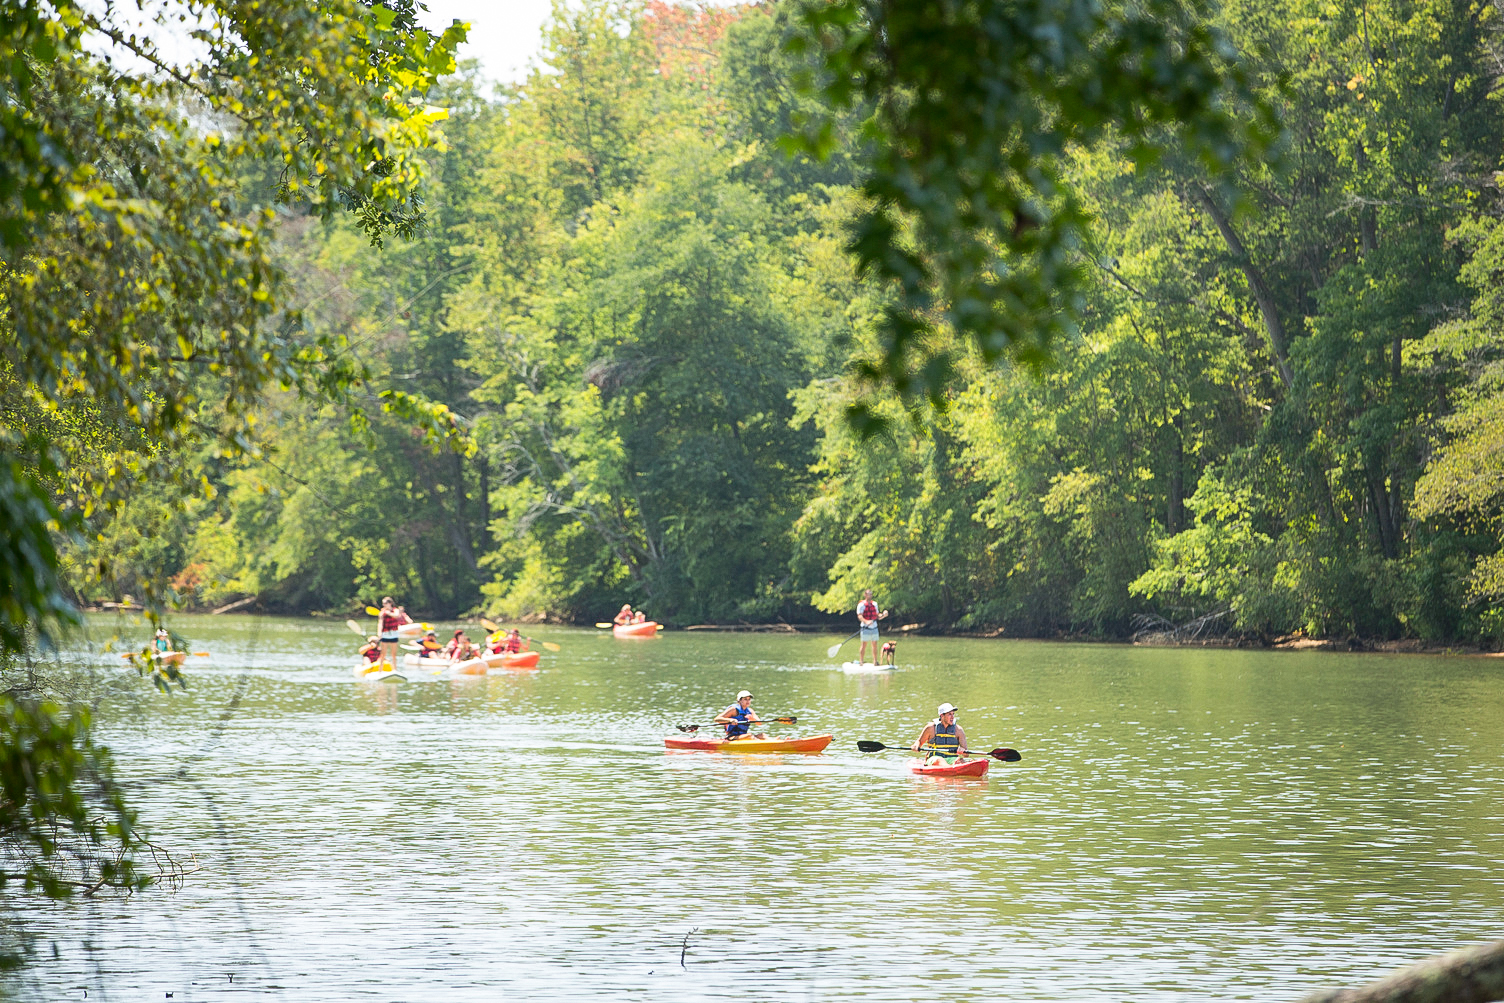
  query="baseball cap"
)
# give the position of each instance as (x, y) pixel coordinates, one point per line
(743, 693)
(946, 708)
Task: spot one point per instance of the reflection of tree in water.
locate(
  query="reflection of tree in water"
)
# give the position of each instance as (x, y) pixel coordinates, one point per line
(67, 833)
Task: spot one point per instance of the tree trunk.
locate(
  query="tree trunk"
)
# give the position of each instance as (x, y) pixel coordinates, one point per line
(1471, 975)
(1261, 292)
(1175, 509)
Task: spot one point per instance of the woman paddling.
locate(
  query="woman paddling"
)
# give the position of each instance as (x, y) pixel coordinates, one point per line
(739, 717)
(942, 736)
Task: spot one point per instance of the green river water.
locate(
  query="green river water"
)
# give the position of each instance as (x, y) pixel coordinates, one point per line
(1184, 825)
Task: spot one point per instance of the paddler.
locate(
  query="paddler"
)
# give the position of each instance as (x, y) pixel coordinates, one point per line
(162, 642)
(429, 646)
(371, 651)
(942, 737)
(624, 617)
(391, 618)
(739, 717)
(867, 615)
(512, 644)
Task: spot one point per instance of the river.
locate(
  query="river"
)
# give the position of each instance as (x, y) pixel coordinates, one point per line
(1184, 824)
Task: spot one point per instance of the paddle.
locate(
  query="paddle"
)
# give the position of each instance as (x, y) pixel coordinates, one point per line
(766, 720)
(603, 626)
(355, 627)
(830, 652)
(1005, 755)
(495, 628)
(373, 611)
(133, 654)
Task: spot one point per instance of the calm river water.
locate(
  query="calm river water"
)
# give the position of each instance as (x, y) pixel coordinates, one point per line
(1184, 825)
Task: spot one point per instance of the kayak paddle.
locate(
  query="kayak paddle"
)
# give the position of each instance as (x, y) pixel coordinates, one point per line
(766, 720)
(355, 627)
(830, 652)
(605, 625)
(1005, 755)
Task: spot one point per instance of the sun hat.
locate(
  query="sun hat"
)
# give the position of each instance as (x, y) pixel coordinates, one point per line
(743, 693)
(946, 708)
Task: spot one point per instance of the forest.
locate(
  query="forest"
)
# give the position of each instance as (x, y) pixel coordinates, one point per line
(625, 353)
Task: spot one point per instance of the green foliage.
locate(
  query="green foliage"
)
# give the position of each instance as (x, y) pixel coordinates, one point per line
(975, 107)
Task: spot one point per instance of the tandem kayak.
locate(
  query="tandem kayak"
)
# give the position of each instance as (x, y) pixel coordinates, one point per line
(815, 743)
(962, 768)
(498, 660)
(649, 628)
(435, 662)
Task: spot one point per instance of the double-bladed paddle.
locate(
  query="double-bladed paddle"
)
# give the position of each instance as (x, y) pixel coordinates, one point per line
(1005, 755)
(494, 628)
(766, 720)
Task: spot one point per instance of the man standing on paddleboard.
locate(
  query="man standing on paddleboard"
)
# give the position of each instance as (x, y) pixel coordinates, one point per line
(943, 737)
(867, 616)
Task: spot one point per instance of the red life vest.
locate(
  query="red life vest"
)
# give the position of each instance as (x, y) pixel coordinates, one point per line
(867, 610)
(390, 622)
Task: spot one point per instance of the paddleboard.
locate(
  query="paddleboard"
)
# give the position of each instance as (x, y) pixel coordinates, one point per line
(866, 667)
(378, 673)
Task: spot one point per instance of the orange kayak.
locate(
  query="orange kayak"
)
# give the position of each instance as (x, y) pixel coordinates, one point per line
(961, 768)
(648, 629)
(816, 743)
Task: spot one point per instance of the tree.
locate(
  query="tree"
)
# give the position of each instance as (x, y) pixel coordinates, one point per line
(140, 309)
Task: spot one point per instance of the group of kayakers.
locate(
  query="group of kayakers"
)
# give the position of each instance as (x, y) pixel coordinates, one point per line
(391, 618)
(943, 738)
(627, 615)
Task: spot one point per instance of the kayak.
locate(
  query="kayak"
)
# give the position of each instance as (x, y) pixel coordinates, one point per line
(960, 768)
(646, 629)
(435, 662)
(515, 660)
(411, 630)
(169, 657)
(816, 743)
(378, 672)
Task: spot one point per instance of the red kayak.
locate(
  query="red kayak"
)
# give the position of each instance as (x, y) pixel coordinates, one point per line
(961, 768)
(815, 743)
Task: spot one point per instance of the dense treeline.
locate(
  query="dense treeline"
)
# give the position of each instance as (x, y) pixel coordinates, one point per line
(1277, 401)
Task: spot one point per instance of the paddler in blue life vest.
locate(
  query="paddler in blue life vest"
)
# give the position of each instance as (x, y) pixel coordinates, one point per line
(942, 738)
(739, 717)
(867, 615)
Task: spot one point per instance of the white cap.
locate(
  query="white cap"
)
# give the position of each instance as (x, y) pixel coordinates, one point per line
(743, 693)
(946, 708)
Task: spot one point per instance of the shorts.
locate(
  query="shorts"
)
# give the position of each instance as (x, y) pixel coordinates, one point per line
(389, 638)
(869, 634)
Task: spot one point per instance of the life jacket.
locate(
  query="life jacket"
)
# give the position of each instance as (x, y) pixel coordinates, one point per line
(512, 645)
(390, 622)
(867, 610)
(372, 653)
(163, 644)
(743, 716)
(945, 741)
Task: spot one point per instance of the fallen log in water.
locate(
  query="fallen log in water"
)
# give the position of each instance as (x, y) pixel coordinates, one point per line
(1471, 975)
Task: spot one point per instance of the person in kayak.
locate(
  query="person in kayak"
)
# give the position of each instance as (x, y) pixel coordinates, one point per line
(739, 717)
(429, 646)
(162, 642)
(639, 617)
(512, 643)
(867, 615)
(624, 617)
(943, 738)
(371, 651)
(391, 617)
